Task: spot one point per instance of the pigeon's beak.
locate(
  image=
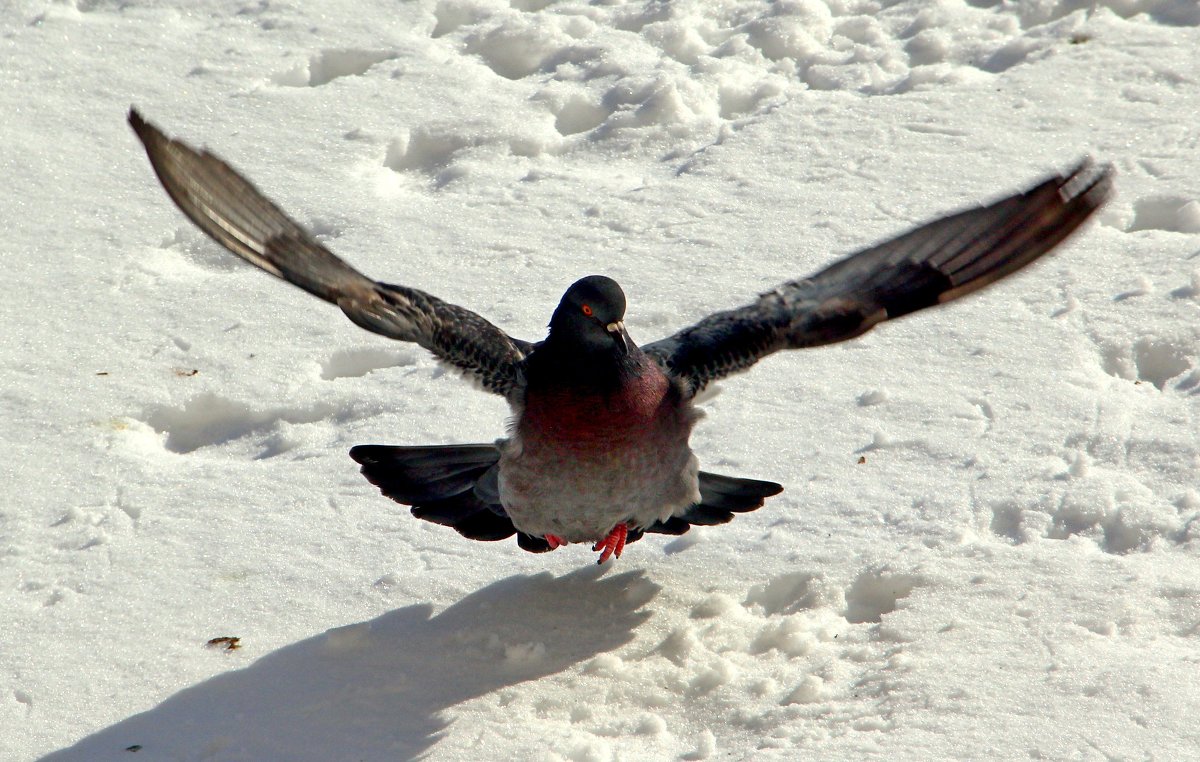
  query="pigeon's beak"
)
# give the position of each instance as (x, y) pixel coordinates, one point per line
(617, 331)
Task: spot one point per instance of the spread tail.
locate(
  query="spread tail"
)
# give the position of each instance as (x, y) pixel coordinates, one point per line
(439, 482)
(455, 486)
(720, 498)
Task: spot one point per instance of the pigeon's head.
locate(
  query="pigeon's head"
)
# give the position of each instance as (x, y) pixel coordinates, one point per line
(591, 314)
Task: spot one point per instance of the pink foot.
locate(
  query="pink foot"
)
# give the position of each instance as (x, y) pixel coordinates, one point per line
(555, 541)
(613, 544)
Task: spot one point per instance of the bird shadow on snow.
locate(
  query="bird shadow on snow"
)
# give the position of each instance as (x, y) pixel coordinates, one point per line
(377, 689)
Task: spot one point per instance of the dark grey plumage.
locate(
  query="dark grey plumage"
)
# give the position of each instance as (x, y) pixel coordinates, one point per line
(238, 216)
(454, 485)
(599, 449)
(933, 264)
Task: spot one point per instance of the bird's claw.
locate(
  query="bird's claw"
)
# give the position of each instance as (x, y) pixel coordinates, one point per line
(555, 541)
(612, 545)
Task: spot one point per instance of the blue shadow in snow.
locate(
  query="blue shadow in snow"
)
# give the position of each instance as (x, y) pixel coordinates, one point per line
(377, 690)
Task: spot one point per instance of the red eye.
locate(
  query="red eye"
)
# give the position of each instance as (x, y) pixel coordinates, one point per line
(587, 310)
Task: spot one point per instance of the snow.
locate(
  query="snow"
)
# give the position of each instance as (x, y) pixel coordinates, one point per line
(989, 542)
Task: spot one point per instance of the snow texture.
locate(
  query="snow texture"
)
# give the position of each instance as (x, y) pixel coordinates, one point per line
(989, 544)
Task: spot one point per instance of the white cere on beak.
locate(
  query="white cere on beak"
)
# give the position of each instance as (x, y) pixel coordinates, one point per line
(614, 327)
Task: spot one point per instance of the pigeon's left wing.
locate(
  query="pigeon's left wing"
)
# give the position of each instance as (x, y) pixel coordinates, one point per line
(238, 216)
(937, 262)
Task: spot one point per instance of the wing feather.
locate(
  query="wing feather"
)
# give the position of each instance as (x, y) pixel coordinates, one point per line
(933, 264)
(234, 213)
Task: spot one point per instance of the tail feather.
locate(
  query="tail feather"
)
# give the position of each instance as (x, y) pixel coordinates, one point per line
(485, 524)
(456, 486)
(723, 496)
(706, 516)
(412, 475)
(533, 544)
(673, 525)
(487, 487)
(720, 498)
(452, 457)
(439, 483)
(448, 511)
(714, 485)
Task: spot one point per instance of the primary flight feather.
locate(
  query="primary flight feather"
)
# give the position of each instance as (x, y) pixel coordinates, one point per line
(598, 450)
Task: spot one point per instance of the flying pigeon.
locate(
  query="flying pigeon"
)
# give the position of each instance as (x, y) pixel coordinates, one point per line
(598, 448)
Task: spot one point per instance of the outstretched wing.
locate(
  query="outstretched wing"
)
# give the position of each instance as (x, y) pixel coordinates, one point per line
(238, 216)
(937, 262)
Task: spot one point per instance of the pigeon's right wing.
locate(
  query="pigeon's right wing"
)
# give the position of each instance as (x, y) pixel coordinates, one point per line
(238, 216)
(937, 262)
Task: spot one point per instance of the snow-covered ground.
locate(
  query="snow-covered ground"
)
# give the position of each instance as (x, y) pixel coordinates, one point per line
(989, 545)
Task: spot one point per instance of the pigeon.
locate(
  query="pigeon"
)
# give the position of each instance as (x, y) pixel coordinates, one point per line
(597, 451)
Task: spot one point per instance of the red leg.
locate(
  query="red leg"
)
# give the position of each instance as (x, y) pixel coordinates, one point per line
(555, 541)
(613, 544)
